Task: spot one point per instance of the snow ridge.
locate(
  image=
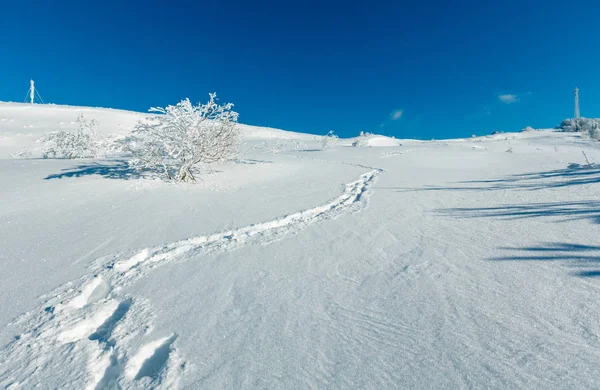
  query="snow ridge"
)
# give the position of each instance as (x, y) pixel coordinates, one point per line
(87, 332)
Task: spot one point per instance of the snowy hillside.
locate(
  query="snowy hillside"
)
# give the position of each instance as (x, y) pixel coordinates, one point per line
(468, 263)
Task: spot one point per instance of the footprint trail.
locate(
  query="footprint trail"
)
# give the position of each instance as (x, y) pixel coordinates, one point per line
(88, 333)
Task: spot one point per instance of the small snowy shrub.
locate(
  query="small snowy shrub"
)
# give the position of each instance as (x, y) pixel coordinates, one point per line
(81, 143)
(359, 143)
(527, 128)
(328, 140)
(24, 153)
(276, 146)
(362, 140)
(184, 135)
(279, 144)
(595, 132)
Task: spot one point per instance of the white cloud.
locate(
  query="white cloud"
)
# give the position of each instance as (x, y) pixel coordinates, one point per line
(508, 98)
(396, 114)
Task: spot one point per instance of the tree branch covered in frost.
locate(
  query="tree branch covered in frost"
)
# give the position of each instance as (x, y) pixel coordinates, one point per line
(184, 135)
(81, 143)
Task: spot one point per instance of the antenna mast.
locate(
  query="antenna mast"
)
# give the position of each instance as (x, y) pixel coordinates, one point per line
(576, 93)
(32, 93)
(31, 90)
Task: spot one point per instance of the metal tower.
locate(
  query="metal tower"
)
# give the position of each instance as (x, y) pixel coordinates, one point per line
(576, 93)
(32, 93)
(31, 90)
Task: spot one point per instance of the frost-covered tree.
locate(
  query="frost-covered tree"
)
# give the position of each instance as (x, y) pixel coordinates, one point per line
(81, 143)
(184, 135)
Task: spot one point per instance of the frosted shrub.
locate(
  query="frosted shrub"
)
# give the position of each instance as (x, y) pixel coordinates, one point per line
(24, 153)
(81, 143)
(581, 124)
(362, 140)
(567, 125)
(527, 128)
(595, 133)
(184, 135)
(328, 140)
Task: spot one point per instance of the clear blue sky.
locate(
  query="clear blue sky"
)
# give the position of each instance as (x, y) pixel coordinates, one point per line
(314, 66)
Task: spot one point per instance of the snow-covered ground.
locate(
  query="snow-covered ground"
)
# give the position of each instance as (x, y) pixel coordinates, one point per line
(441, 264)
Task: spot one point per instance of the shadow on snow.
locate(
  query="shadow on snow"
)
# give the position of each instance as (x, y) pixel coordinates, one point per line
(118, 169)
(582, 257)
(573, 175)
(569, 211)
(577, 256)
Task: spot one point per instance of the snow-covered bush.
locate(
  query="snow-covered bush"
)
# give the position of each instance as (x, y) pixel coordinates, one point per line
(581, 124)
(328, 140)
(527, 128)
(81, 143)
(184, 135)
(23, 153)
(279, 144)
(595, 132)
(362, 140)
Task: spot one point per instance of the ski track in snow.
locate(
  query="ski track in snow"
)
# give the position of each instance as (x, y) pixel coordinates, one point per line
(86, 330)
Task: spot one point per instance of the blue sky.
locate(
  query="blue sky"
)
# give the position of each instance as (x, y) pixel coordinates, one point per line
(419, 69)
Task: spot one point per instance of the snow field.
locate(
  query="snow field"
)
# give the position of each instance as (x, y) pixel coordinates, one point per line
(441, 264)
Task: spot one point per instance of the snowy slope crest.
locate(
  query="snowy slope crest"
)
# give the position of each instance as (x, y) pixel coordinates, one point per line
(22, 124)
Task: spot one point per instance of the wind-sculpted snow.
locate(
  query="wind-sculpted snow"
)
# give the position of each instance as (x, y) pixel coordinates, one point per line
(90, 334)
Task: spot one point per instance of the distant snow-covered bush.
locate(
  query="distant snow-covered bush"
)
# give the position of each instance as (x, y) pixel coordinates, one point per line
(184, 135)
(362, 140)
(280, 144)
(23, 153)
(527, 128)
(81, 143)
(328, 140)
(595, 132)
(581, 124)
(360, 143)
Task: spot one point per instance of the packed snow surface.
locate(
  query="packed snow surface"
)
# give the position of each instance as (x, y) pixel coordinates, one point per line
(468, 263)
